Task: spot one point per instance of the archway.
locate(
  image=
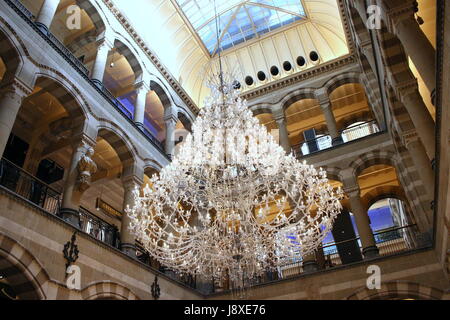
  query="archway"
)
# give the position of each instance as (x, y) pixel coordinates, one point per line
(20, 271)
(398, 290)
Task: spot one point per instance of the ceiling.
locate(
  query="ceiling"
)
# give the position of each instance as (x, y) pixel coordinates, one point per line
(238, 21)
(263, 40)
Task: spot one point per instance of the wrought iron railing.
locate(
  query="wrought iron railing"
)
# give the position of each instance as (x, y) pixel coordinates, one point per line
(29, 187)
(78, 66)
(152, 137)
(144, 257)
(389, 242)
(356, 132)
(98, 228)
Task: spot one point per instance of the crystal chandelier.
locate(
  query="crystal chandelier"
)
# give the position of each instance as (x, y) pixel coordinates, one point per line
(232, 205)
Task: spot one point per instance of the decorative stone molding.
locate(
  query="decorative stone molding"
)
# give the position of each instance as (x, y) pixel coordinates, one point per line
(402, 89)
(16, 88)
(409, 137)
(141, 86)
(397, 14)
(352, 191)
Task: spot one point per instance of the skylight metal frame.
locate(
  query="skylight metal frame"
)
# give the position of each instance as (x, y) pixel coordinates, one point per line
(236, 8)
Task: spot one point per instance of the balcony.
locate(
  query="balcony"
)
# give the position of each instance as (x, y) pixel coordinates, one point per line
(324, 142)
(30, 188)
(391, 242)
(80, 68)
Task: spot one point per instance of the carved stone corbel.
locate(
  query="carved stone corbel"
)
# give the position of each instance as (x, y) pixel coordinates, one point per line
(86, 168)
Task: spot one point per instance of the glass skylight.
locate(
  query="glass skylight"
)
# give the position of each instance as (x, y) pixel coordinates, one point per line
(239, 21)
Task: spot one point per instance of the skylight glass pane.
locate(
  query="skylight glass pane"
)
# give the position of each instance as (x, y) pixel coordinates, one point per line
(240, 21)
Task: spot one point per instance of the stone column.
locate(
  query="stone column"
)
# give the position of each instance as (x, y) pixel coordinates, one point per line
(171, 123)
(420, 116)
(47, 13)
(417, 47)
(73, 190)
(280, 118)
(351, 188)
(127, 239)
(421, 161)
(141, 98)
(98, 70)
(325, 105)
(11, 97)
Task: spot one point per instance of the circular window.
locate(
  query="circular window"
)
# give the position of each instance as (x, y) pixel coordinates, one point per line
(274, 71)
(301, 61)
(287, 66)
(314, 56)
(249, 81)
(236, 85)
(261, 76)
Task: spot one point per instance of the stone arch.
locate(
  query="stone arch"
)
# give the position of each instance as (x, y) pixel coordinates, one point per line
(92, 35)
(185, 120)
(383, 192)
(258, 109)
(162, 94)
(340, 80)
(373, 158)
(107, 290)
(296, 95)
(94, 15)
(151, 164)
(132, 58)
(28, 275)
(121, 145)
(333, 173)
(398, 290)
(69, 98)
(363, 116)
(11, 56)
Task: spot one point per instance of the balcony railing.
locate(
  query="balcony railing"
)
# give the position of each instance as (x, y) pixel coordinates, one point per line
(39, 193)
(145, 258)
(79, 67)
(356, 132)
(99, 229)
(31, 188)
(389, 242)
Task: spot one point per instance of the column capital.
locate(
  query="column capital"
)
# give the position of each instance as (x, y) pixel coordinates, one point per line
(15, 87)
(278, 115)
(323, 97)
(350, 182)
(170, 119)
(103, 43)
(83, 142)
(409, 137)
(132, 182)
(141, 86)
